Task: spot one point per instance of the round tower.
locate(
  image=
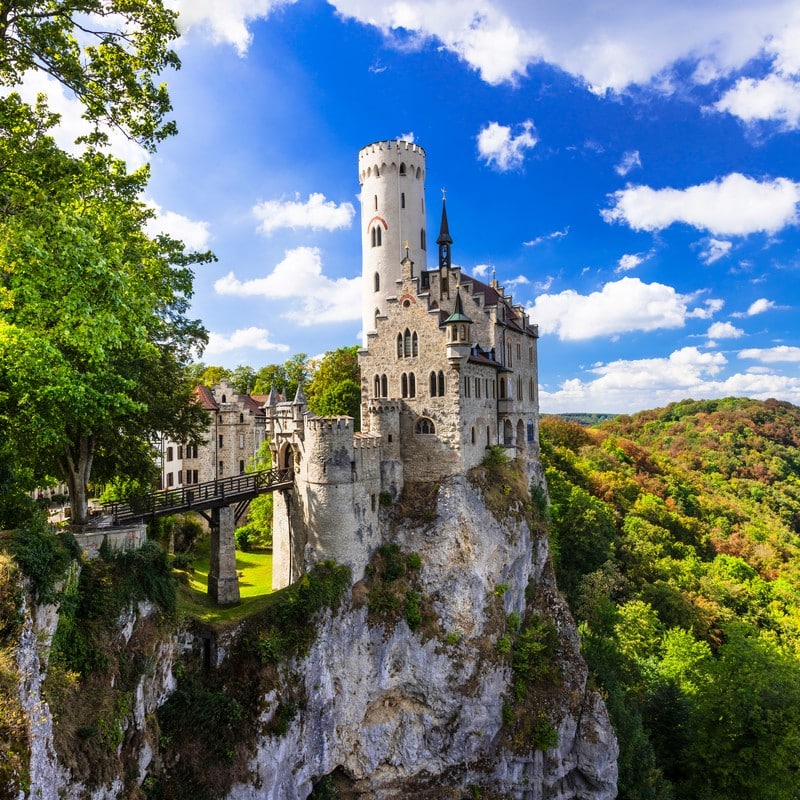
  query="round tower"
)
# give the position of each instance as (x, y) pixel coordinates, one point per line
(392, 178)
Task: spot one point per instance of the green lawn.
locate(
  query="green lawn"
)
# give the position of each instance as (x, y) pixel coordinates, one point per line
(255, 585)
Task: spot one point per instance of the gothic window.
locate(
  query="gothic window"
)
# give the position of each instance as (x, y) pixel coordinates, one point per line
(519, 351)
(403, 169)
(407, 343)
(425, 426)
(404, 385)
(414, 344)
(530, 430)
(530, 354)
(377, 282)
(384, 386)
(412, 385)
(463, 333)
(440, 381)
(376, 236)
(399, 345)
(377, 386)
(519, 388)
(433, 384)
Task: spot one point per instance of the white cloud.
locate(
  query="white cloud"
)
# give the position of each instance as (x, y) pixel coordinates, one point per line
(481, 270)
(735, 206)
(608, 45)
(224, 22)
(251, 338)
(629, 386)
(513, 283)
(712, 306)
(407, 137)
(773, 355)
(620, 306)
(71, 124)
(714, 249)
(546, 237)
(498, 146)
(630, 160)
(760, 306)
(316, 213)
(316, 298)
(628, 262)
(195, 234)
(544, 286)
(774, 98)
(724, 330)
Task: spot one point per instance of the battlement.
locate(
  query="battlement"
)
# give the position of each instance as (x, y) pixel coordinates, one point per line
(388, 145)
(406, 158)
(325, 425)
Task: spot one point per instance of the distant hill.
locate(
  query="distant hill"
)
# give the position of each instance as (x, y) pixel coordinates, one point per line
(586, 419)
(676, 540)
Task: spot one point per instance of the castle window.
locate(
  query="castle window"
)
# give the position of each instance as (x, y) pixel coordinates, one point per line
(224, 399)
(466, 386)
(530, 354)
(508, 433)
(241, 417)
(440, 381)
(384, 386)
(377, 386)
(403, 169)
(530, 430)
(433, 384)
(404, 385)
(425, 426)
(376, 202)
(531, 389)
(502, 386)
(221, 468)
(241, 441)
(377, 282)
(220, 440)
(402, 199)
(488, 436)
(414, 344)
(472, 434)
(412, 385)
(241, 466)
(463, 333)
(422, 240)
(509, 360)
(519, 388)
(377, 314)
(376, 236)
(399, 345)
(519, 350)
(407, 343)
(478, 388)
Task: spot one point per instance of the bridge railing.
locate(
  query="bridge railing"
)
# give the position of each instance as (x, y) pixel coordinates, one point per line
(198, 495)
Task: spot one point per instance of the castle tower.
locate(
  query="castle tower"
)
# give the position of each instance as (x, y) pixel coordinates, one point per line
(392, 178)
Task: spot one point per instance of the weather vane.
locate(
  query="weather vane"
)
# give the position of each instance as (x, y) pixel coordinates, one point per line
(405, 244)
(444, 194)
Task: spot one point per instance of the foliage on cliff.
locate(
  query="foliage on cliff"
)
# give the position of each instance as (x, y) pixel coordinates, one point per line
(676, 540)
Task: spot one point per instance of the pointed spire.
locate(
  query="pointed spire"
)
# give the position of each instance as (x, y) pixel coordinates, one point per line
(300, 397)
(444, 230)
(272, 400)
(458, 314)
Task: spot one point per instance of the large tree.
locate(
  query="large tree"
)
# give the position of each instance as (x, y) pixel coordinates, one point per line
(94, 331)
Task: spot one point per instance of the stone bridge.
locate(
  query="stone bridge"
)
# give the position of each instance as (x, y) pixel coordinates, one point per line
(222, 503)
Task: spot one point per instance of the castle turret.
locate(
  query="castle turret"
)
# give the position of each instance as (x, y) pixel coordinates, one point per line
(392, 178)
(458, 326)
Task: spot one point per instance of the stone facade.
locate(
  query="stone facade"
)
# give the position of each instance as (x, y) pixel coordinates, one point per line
(449, 369)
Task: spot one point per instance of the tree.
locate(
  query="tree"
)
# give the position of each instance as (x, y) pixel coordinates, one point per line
(284, 377)
(335, 387)
(109, 53)
(93, 328)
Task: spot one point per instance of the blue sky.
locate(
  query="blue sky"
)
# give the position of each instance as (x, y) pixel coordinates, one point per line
(629, 170)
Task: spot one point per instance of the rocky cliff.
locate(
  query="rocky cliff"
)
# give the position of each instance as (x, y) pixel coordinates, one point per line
(452, 670)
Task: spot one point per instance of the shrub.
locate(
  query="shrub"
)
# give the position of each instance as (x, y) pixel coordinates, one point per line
(42, 556)
(243, 538)
(495, 457)
(413, 613)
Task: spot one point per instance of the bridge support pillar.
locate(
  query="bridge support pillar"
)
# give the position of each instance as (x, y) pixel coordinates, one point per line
(223, 584)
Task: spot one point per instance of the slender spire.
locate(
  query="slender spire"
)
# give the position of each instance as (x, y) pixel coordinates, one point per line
(444, 241)
(458, 314)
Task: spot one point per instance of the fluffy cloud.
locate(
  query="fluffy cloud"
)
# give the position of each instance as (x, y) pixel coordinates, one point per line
(498, 146)
(624, 305)
(774, 98)
(250, 338)
(630, 160)
(315, 297)
(226, 22)
(734, 206)
(712, 306)
(714, 249)
(628, 262)
(631, 385)
(773, 355)
(756, 307)
(195, 234)
(316, 213)
(724, 330)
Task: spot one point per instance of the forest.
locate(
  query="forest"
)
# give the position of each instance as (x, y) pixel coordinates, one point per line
(674, 534)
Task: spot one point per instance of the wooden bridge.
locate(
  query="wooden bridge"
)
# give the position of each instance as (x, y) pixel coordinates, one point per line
(236, 491)
(222, 503)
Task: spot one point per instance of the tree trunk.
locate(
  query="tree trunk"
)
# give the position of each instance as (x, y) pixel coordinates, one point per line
(78, 468)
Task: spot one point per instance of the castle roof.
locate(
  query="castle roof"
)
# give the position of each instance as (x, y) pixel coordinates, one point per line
(444, 229)
(205, 398)
(458, 314)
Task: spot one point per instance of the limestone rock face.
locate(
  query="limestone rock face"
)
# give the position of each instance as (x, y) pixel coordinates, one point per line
(387, 712)
(397, 713)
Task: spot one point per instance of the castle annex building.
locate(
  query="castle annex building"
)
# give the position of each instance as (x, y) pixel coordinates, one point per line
(448, 369)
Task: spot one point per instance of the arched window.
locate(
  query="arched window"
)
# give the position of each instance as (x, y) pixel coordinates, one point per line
(377, 282)
(224, 399)
(399, 345)
(414, 344)
(377, 386)
(440, 381)
(433, 384)
(531, 389)
(377, 314)
(412, 385)
(425, 426)
(403, 169)
(407, 343)
(508, 432)
(376, 236)
(241, 417)
(384, 386)
(422, 241)
(404, 385)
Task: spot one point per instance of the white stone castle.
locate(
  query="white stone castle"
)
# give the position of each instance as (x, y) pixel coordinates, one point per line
(448, 369)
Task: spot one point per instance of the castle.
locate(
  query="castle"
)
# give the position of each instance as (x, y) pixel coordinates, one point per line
(448, 369)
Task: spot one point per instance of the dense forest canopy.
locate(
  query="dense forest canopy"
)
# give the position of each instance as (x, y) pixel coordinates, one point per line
(676, 539)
